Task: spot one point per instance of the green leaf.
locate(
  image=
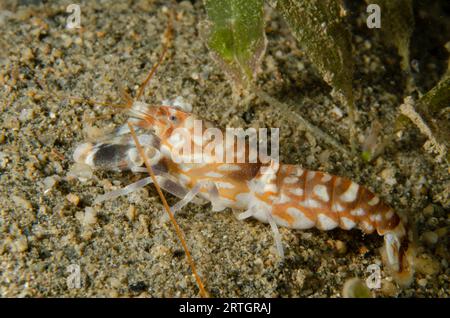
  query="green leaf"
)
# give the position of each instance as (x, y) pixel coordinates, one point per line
(236, 37)
(397, 25)
(434, 107)
(438, 97)
(356, 288)
(318, 26)
(366, 156)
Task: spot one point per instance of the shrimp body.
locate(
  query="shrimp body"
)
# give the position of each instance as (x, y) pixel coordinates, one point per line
(278, 194)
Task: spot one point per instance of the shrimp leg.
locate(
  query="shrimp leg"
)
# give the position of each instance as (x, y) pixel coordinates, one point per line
(164, 181)
(211, 189)
(273, 225)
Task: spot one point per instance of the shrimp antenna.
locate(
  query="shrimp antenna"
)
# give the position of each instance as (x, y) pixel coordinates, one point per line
(94, 102)
(166, 42)
(124, 94)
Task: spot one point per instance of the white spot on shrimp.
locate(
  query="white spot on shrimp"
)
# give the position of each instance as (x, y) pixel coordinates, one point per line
(299, 172)
(282, 199)
(301, 221)
(296, 191)
(176, 140)
(375, 217)
(350, 194)
(367, 226)
(270, 188)
(310, 203)
(347, 223)
(213, 174)
(389, 214)
(325, 223)
(326, 178)
(224, 185)
(260, 187)
(290, 180)
(337, 208)
(358, 212)
(310, 175)
(374, 201)
(321, 191)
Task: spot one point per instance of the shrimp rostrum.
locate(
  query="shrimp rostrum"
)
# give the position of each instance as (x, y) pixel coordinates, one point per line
(271, 192)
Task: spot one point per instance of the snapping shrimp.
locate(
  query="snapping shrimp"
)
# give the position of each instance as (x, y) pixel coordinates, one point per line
(277, 194)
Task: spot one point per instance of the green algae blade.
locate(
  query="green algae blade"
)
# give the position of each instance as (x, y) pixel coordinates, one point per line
(319, 28)
(236, 37)
(433, 105)
(438, 97)
(397, 25)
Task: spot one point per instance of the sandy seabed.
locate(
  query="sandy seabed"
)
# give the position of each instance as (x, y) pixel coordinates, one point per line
(125, 249)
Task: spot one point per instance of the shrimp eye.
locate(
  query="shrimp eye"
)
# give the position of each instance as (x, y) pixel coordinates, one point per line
(172, 118)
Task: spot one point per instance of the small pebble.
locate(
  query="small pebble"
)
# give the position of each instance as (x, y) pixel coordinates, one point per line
(60, 209)
(22, 202)
(26, 54)
(433, 222)
(50, 183)
(195, 76)
(90, 216)
(114, 282)
(388, 288)
(66, 40)
(131, 213)
(356, 288)
(81, 171)
(21, 244)
(388, 176)
(337, 113)
(106, 184)
(430, 238)
(341, 247)
(300, 278)
(429, 210)
(427, 266)
(86, 234)
(367, 45)
(422, 282)
(73, 198)
(26, 114)
(441, 232)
